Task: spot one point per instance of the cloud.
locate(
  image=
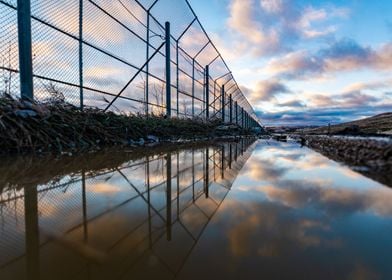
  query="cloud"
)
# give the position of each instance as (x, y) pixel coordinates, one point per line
(343, 55)
(373, 85)
(243, 20)
(292, 104)
(321, 116)
(294, 65)
(268, 27)
(272, 6)
(266, 90)
(344, 100)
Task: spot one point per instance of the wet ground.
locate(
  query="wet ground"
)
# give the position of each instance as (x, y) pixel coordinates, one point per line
(246, 210)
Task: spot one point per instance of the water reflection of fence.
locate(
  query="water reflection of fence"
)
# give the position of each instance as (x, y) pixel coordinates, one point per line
(118, 55)
(127, 213)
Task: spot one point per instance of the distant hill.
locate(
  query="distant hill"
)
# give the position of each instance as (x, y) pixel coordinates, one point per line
(379, 124)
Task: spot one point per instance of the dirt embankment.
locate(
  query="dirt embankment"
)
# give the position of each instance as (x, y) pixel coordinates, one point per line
(373, 158)
(58, 127)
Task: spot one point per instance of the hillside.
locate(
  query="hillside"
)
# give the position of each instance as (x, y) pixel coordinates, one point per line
(379, 124)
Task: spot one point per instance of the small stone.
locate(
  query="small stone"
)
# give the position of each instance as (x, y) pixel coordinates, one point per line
(152, 138)
(26, 113)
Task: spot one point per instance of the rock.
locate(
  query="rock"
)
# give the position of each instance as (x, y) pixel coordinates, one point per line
(26, 104)
(41, 109)
(223, 127)
(152, 139)
(26, 113)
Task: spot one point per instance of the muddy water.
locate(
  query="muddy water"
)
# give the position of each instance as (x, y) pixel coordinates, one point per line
(247, 210)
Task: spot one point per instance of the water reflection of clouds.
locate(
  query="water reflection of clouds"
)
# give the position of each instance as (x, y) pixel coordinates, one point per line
(282, 219)
(293, 177)
(333, 200)
(271, 229)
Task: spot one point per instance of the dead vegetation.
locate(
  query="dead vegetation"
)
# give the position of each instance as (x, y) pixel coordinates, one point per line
(57, 127)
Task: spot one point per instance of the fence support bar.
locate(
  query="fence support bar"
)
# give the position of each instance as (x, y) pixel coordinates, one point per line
(133, 77)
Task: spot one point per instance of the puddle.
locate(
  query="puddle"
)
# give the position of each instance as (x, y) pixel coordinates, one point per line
(245, 210)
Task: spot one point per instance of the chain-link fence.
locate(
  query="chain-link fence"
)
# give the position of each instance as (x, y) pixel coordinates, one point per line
(138, 56)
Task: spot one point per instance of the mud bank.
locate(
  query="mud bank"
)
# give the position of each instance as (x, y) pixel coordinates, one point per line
(370, 157)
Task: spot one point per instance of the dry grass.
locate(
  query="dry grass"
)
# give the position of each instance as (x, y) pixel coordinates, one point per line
(59, 127)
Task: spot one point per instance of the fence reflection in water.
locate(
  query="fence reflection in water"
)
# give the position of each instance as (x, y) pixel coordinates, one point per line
(144, 213)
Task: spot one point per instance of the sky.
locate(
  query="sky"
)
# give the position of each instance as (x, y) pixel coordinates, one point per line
(306, 62)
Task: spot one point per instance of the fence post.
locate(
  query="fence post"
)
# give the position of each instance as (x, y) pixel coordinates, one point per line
(223, 103)
(193, 87)
(207, 87)
(168, 196)
(177, 81)
(236, 112)
(32, 233)
(231, 108)
(81, 54)
(242, 117)
(25, 50)
(147, 89)
(168, 70)
(207, 174)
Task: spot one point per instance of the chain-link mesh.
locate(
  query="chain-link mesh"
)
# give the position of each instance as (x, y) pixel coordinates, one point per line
(111, 55)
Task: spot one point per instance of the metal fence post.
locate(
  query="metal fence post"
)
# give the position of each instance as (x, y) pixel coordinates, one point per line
(223, 103)
(214, 105)
(223, 162)
(236, 112)
(231, 108)
(81, 54)
(193, 87)
(168, 196)
(147, 89)
(207, 88)
(177, 81)
(242, 117)
(207, 174)
(32, 230)
(168, 70)
(25, 49)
